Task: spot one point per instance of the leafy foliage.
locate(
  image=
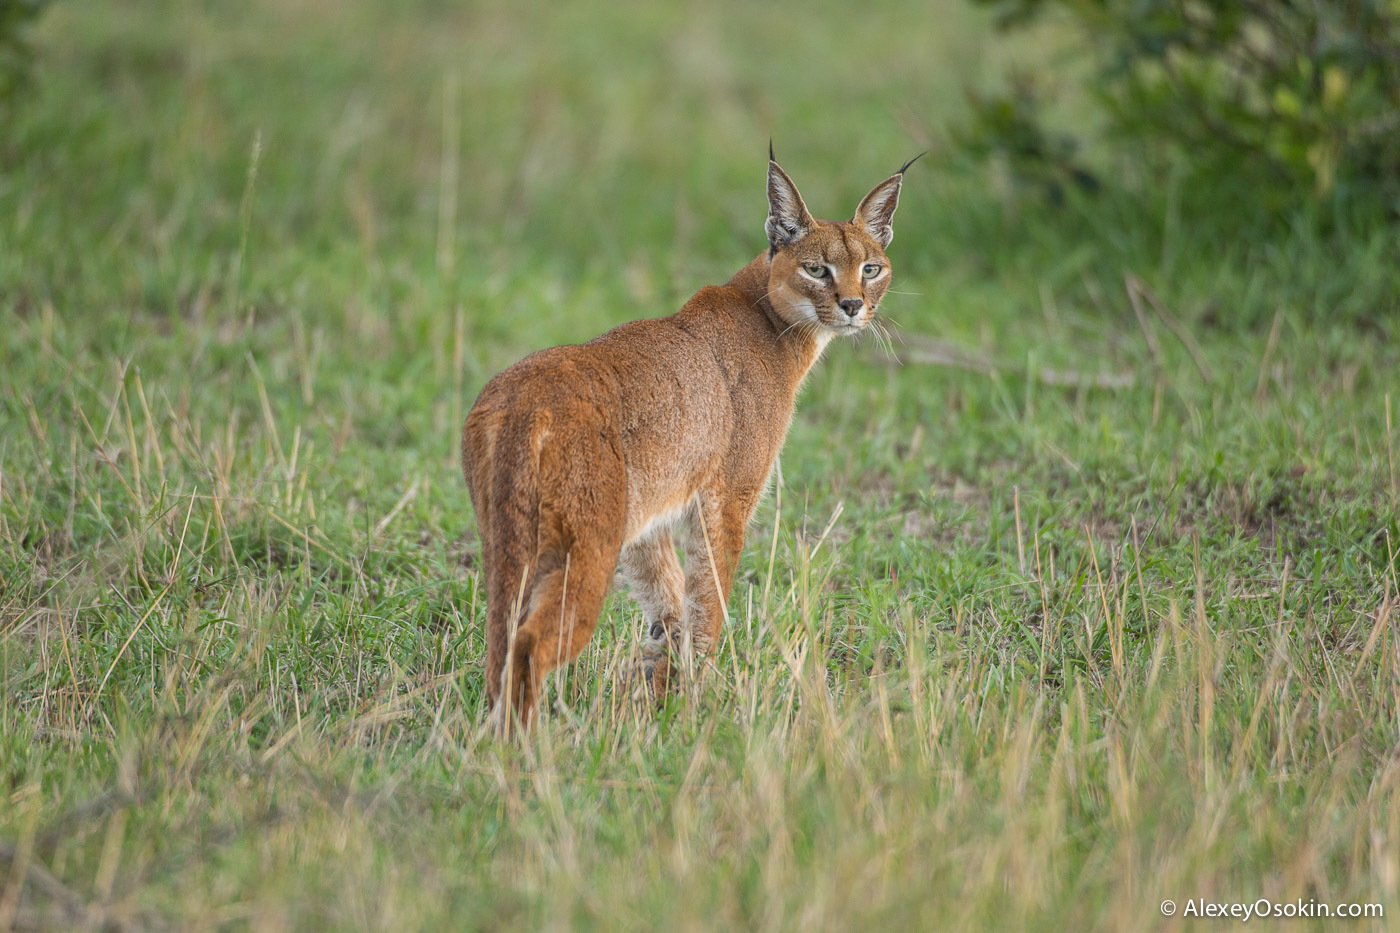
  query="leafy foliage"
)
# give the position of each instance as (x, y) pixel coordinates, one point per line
(1008, 126)
(15, 55)
(1299, 96)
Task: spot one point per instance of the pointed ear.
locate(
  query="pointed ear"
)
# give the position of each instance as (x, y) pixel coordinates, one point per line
(876, 213)
(788, 220)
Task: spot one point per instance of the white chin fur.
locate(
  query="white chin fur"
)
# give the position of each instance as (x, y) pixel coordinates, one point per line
(804, 312)
(801, 312)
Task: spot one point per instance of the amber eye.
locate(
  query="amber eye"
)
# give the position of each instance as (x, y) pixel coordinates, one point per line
(871, 270)
(815, 269)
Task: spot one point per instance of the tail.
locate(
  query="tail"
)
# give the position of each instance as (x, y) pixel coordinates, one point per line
(502, 473)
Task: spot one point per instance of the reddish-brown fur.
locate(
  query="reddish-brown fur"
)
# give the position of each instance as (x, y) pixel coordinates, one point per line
(580, 459)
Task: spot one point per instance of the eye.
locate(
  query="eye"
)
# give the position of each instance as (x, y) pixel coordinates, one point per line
(871, 270)
(815, 269)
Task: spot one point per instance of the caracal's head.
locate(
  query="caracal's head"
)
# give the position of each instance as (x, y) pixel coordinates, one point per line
(828, 278)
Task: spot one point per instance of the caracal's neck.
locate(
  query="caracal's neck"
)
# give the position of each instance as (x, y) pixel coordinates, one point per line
(804, 346)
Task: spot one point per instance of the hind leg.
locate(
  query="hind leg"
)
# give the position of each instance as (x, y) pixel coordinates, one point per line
(580, 531)
(653, 573)
(564, 610)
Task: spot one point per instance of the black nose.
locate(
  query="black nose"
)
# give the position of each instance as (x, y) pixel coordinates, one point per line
(851, 306)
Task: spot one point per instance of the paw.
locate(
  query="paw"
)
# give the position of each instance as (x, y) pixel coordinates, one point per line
(649, 676)
(647, 679)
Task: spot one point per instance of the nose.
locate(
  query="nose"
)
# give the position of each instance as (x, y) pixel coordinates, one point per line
(851, 306)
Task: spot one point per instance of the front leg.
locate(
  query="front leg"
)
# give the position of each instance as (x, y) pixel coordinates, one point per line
(712, 556)
(653, 574)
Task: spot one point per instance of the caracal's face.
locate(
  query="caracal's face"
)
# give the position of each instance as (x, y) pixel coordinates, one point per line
(825, 279)
(830, 281)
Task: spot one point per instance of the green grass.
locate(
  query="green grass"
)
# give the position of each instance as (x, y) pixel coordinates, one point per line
(1008, 650)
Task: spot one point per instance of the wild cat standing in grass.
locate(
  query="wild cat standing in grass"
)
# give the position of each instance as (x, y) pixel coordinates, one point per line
(582, 459)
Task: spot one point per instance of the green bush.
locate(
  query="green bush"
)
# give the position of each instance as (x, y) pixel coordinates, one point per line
(1298, 96)
(15, 55)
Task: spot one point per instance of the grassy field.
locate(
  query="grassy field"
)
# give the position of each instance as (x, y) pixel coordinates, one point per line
(1070, 610)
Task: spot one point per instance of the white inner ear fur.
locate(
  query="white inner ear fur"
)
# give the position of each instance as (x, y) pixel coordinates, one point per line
(876, 212)
(787, 215)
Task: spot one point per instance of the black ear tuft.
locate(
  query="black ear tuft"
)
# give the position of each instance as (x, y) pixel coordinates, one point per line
(902, 169)
(770, 150)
